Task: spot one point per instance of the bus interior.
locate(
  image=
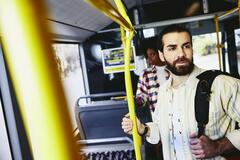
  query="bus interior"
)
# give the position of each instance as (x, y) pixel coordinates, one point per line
(96, 97)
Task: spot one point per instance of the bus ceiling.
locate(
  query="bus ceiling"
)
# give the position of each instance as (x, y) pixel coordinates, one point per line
(77, 21)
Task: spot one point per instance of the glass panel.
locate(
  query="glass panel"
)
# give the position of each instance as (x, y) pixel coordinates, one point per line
(4, 145)
(205, 51)
(68, 60)
(237, 40)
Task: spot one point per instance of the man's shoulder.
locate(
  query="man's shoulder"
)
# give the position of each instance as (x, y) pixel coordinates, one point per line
(226, 79)
(197, 70)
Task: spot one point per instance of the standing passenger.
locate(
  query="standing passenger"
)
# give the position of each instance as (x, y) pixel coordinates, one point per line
(175, 122)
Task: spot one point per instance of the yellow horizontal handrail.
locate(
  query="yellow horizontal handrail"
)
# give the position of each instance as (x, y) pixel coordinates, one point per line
(228, 13)
(36, 82)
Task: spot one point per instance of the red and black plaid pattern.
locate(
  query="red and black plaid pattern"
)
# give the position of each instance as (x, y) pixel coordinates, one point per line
(148, 87)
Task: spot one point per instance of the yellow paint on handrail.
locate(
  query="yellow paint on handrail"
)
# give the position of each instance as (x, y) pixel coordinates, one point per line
(106, 8)
(128, 84)
(232, 11)
(122, 10)
(217, 18)
(126, 40)
(36, 81)
(127, 32)
(218, 41)
(239, 12)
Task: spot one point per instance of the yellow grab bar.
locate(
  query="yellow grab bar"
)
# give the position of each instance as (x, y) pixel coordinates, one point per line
(106, 8)
(122, 10)
(228, 13)
(128, 83)
(239, 12)
(36, 82)
(217, 18)
(218, 42)
(127, 31)
(127, 40)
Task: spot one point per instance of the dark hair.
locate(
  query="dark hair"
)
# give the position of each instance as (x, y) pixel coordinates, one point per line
(170, 29)
(149, 43)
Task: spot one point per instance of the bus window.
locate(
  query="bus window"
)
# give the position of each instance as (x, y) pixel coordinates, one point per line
(68, 61)
(4, 145)
(237, 40)
(204, 49)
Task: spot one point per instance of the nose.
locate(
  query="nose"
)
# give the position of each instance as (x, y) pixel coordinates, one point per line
(181, 52)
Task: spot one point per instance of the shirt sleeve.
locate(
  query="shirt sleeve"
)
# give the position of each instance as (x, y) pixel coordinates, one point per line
(154, 133)
(231, 97)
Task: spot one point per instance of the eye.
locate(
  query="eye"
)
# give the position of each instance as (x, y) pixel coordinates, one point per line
(171, 48)
(187, 46)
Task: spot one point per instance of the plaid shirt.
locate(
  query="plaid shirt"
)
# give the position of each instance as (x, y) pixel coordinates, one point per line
(148, 85)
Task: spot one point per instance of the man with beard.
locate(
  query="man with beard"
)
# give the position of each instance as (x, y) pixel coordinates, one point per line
(174, 123)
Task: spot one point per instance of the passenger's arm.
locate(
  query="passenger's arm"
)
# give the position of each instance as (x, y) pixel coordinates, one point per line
(233, 109)
(152, 133)
(203, 147)
(127, 125)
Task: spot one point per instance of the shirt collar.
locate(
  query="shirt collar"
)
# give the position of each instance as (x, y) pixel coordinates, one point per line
(192, 76)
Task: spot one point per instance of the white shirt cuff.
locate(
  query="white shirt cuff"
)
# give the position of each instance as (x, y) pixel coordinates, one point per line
(234, 138)
(154, 133)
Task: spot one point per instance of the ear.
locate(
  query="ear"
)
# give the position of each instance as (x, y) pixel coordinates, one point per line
(161, 56)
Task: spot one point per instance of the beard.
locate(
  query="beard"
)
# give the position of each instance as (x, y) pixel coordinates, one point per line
(181, 70)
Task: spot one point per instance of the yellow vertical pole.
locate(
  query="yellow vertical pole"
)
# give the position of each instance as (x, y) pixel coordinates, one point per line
(239, 12)
(35, 79)
(127, 32)
(127, 39)
(131, 107)
(218, 42)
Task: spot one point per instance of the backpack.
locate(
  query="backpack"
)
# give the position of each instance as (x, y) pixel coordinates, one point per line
(202, 98)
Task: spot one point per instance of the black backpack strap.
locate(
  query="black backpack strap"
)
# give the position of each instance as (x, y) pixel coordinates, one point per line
(202, 98)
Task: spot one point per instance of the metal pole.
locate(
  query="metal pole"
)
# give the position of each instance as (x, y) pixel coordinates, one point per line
(218, 43)
(228, 13)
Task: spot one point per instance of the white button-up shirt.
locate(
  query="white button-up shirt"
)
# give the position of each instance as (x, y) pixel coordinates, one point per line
(174, 117)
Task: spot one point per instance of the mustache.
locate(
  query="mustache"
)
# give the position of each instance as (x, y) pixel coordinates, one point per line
(182, 59)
